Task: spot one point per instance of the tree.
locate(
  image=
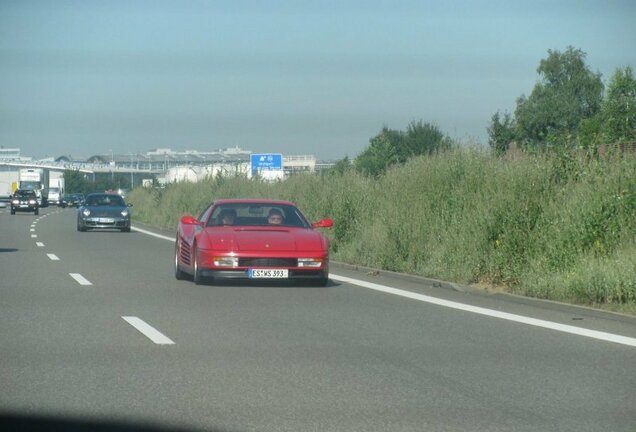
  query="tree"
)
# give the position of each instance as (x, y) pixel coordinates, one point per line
(618, 111)
(422, 139)
(76, 182)
(391, 147)
(341, 166)
(567, 93)
(381, 152)
(501, 133)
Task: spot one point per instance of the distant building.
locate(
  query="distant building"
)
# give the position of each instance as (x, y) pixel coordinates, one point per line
(12, 155)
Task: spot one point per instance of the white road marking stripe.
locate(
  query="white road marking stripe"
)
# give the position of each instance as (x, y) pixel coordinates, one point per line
(34, 236)
(609, 337)
(53, 257)
(80, 279)
(32, 229)
(40, 244)
(148, 331)
(152, 234)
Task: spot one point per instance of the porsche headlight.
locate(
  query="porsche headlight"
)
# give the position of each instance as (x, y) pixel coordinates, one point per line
(125, 213)
(310, 262)
(225, 261)
(86, 212)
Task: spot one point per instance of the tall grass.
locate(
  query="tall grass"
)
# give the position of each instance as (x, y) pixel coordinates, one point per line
(553, 226)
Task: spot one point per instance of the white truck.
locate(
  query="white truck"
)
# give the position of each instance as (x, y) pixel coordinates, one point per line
(8, 182)
(36, 179)
(56, 189)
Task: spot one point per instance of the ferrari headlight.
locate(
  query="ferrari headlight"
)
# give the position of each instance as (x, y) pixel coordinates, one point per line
(309, 262)
(225, 261)
(86, 212)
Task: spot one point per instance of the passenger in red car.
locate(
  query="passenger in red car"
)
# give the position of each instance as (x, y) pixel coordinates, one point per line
(227, 217)
(275, 217)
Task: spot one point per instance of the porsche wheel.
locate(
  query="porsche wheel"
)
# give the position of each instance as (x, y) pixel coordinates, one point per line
(178, 273)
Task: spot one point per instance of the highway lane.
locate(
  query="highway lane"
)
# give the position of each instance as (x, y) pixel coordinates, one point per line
(282, 357)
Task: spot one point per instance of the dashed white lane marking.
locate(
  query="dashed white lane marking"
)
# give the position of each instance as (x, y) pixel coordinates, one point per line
(39, 244)
(53, 257)
(147, 330)
(80, 279)
(34, 236)
(609, 337)
(32, 230)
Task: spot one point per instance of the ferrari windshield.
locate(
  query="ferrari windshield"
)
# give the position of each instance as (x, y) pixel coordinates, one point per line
(265, 214)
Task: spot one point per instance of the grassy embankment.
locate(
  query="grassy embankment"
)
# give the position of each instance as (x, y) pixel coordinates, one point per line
(554, 227)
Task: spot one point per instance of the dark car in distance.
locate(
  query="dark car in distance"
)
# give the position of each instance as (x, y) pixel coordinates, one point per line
(74, 200)
(24, 200)
(103, 211)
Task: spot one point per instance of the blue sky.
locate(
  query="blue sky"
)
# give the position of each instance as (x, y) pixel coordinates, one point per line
(319, 77)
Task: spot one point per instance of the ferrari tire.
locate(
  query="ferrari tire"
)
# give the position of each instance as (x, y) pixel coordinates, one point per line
(178, 273)
(196, 274)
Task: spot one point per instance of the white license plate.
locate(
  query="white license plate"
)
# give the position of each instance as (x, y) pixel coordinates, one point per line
(267, 273)
(105, 220)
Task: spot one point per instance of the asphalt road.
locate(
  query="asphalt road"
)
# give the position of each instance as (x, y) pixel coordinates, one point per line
(97, 334)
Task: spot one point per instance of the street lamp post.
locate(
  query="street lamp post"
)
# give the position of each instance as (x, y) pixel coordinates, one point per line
(131, 172)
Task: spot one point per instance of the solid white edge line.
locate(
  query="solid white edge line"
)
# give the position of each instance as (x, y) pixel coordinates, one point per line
(53, 257)
(609, 337)
(163, 237)
(594, 334)
(147, 330)
(80, 279)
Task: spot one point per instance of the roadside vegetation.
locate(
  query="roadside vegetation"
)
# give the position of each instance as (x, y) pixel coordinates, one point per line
(543, 226)
(548, 210)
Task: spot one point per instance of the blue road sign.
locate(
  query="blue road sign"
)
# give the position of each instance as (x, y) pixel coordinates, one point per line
(266, 161)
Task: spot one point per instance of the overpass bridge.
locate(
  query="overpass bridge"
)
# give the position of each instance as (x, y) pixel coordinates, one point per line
(86, 168)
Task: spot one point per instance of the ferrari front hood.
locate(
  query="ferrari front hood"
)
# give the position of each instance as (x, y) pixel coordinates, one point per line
(269, 240)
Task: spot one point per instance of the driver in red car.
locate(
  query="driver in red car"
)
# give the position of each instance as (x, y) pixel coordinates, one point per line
(275, 217)
(227, 217)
